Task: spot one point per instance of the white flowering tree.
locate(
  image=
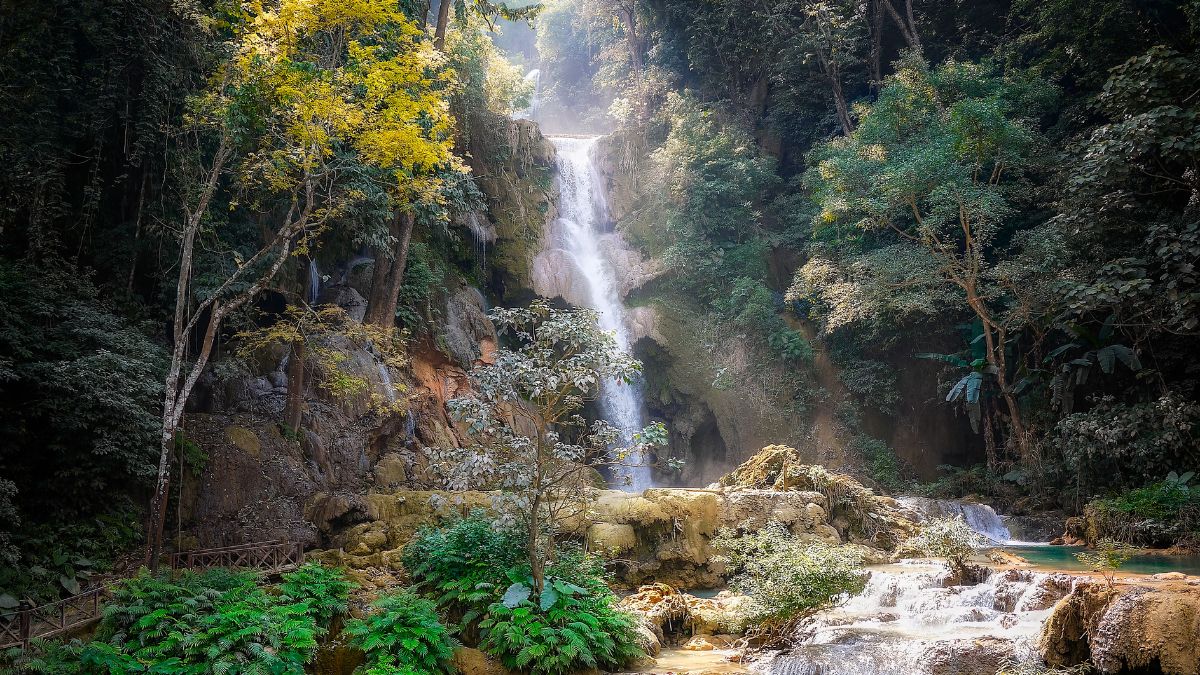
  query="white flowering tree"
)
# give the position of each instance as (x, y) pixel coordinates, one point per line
(531, 442)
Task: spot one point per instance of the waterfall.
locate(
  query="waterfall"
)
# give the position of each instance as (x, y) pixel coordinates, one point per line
(582, 210)
(980, 517)
(314, 281)
(534, 76)
(907, 621)
(385, 376)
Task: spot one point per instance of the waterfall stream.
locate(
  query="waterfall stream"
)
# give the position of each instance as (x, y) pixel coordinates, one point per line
(908, 621)
(582, 208)
(981, 517)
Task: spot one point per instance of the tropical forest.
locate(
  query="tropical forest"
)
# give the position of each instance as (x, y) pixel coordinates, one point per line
(688, 337)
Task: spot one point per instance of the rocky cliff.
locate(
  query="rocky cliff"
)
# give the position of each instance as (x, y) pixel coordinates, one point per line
(253, 479)
(1151, 627)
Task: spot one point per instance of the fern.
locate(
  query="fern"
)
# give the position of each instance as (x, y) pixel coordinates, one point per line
(462, 567)
(403, 635)
(579, 629)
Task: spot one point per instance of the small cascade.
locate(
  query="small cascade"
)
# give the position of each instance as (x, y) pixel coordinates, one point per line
(908, 622)
(410, 426)
(534, 76)
(980, 517)
(483, 234)
(582, 215)
(385, 376)
(314, 282)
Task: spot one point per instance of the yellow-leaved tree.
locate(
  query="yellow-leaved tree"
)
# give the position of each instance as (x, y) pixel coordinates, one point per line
(307, 98)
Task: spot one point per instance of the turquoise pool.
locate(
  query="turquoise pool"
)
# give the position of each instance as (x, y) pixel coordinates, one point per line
(1063, 558)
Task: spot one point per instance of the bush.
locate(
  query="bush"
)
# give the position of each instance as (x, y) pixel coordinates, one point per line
(565, 629)
(324, 591)
(462, 567)
(217, 621)
(403, 635)
(785, 578)
(1159, 514)
(1106, 558)
(198, 623)
(950, 538)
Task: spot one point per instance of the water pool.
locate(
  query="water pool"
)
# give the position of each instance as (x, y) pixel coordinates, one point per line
(1063, 558)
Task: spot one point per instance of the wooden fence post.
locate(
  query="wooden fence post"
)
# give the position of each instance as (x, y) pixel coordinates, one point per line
(25, 611)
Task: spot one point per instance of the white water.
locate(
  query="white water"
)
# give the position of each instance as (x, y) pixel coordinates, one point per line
(907, 623)
(582, 208)
(981, 517)
(314, 282)
(534, 76)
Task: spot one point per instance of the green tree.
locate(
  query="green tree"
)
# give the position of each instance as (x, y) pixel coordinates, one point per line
(306, 92)
(532, 443)
(788, 580)
(939, 162)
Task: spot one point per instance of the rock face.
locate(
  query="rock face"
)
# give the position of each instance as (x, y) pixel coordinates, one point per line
(1126, 629)
(855, 511)
(513, 166)
(668, 616)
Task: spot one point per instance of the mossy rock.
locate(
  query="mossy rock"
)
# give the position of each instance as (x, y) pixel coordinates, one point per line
(244, 439)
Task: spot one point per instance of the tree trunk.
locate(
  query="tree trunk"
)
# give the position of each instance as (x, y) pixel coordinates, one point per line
(388, 276)
(396, 279)
(839, 100)
(908, 27)
(439, 32)
(995, 344)
(534, 550)
(876, 60)
(293, 412)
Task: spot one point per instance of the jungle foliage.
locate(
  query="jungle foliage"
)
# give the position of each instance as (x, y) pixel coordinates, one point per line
(214, 622)
(1018, 174)
(477, 573)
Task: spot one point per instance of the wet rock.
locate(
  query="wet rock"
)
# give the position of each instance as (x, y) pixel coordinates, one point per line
(1126, 629)
(982, 656)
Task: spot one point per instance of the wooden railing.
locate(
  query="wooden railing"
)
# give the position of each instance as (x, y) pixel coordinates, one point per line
(50, 619)
(270, 556)
(19, 626)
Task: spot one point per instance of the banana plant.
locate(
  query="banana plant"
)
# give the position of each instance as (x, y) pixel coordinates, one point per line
(1098, 349)
(968, 390)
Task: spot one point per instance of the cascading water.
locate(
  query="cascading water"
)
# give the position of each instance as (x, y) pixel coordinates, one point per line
(314, 282)
(980, 517)
(581, 209)
(908, 621)
(534, 76)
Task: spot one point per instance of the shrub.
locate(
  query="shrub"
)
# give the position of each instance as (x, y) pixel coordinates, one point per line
(462, 567)
(950, 538)
(324, 591)
(403, 635)
(1107, 556)
(1161, 513)
(198, 623)
(217, 621)
(785, 578)
(567, 628)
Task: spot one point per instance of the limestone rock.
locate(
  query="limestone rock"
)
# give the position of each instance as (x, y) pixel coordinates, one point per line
(611, 538)
(390, 471)
(346, 297)
(1126, 629)
(244, 439)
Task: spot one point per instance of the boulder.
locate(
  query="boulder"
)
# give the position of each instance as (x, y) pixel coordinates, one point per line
(611, 538)
(1126, 629)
